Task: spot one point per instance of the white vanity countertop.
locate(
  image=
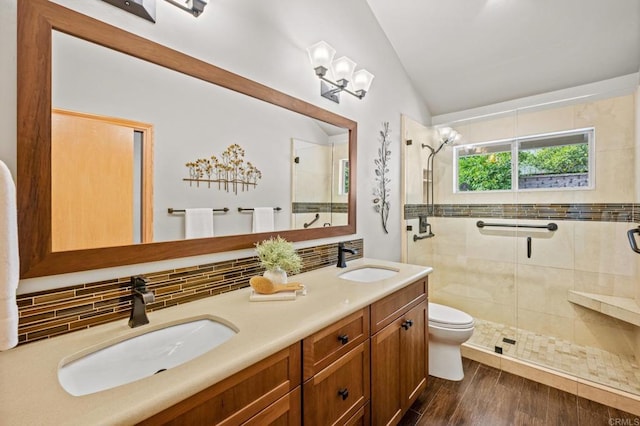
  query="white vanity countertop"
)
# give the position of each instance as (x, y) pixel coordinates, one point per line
(30, 393)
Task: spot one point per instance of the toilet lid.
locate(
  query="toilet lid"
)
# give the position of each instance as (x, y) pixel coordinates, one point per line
(449, 317)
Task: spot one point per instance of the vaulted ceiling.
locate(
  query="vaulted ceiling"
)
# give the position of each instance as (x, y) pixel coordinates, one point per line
(462, 54)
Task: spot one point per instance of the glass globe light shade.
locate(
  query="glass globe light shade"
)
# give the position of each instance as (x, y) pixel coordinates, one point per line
(362, 80)
(343, 68)
(445, 132)
(321, 55)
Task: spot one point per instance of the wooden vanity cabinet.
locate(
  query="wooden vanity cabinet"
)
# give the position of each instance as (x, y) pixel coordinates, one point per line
(367, 368)
(336, 362)
(361, 418)
(399, 353)
(287, 411)
(267, 392)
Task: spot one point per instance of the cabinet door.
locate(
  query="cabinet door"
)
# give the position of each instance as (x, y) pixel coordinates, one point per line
(399, 366)
(284, 412)
(413, 348)
(386, 358)
(387, 310)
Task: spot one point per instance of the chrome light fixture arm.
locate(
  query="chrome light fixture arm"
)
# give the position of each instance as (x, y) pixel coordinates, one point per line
(331, 89)
(195, 7)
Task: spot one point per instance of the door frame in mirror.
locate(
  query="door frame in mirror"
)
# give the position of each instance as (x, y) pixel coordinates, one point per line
(36, 21)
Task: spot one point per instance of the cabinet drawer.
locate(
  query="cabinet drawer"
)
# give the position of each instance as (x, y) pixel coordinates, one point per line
(361, 418)
(335, 394)
(330, 343)
(385, 311)
(239, 397)
(284, 412)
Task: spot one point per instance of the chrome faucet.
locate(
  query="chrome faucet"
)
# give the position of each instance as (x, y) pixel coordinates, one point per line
(140, 296)
(341, 251)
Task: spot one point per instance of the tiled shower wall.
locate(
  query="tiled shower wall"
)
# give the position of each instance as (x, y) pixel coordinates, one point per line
(64, 310)
(487, 271)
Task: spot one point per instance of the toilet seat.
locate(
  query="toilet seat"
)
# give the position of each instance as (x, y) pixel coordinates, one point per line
(447, 317)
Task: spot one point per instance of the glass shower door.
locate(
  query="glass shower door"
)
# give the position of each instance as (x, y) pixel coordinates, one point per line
(577, 170)
(474, 268)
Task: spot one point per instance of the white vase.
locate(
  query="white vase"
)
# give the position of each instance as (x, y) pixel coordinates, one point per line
(277, 276)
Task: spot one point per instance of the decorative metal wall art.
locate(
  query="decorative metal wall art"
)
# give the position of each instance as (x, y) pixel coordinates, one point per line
(229, 172)
(381, 192)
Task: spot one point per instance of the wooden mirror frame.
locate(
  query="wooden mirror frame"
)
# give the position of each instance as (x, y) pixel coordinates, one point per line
(36, 21)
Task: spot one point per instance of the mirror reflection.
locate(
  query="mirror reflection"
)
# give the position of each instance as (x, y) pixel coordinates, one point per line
(319, 188)
(119, 189)
(187, 109)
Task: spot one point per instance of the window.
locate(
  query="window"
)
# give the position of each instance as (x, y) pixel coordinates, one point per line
(553, 160)
(343, 184)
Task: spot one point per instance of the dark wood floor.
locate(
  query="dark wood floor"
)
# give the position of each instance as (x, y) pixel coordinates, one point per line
(487, 396)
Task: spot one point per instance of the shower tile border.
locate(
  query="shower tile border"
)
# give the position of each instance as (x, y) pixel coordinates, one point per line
(312, 207)
(55, 312)
(596, 212)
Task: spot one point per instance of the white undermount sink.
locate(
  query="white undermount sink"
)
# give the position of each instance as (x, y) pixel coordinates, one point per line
(368, 274)
(142, 356)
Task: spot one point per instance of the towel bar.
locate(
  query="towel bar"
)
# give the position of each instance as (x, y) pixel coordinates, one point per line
(550, 226)
(172, 211)
(240, 209)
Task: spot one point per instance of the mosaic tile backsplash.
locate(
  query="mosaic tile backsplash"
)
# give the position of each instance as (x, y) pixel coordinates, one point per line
(61, 311)
(591, 212)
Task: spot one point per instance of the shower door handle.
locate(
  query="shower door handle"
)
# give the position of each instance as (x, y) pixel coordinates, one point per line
(632, 239)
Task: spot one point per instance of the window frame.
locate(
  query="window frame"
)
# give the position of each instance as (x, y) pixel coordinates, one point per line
(515, 160)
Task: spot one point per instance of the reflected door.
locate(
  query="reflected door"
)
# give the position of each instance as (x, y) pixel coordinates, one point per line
(96, 176)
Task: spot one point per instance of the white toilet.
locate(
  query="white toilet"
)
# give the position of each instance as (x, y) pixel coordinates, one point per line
(448, 329)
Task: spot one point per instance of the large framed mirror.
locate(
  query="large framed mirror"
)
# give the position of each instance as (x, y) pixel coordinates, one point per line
(174, 110)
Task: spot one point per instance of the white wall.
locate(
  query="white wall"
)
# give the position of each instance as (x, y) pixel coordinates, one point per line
(266, 42)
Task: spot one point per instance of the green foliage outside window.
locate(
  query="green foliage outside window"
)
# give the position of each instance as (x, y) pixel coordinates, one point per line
(556, 160)
(490, 172)
(485, 172)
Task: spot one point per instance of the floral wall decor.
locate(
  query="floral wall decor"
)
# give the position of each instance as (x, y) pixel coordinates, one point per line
(229, 171)
(381, 192)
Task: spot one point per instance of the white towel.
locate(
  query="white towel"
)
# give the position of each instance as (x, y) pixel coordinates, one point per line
(198, 223)
(263, 220)
(8, 324)
(9, 263)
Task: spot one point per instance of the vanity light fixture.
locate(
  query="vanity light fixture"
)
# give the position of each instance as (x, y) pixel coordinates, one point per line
(145, 9)
(337, 76)
(195, 7)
